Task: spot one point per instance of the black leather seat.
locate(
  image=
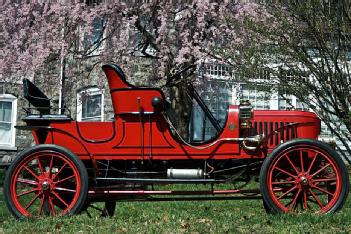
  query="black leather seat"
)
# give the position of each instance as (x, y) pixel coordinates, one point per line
(41, 103)
(36, 97)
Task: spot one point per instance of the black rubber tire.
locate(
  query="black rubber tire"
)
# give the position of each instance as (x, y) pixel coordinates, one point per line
(266, 207)
(44, 147)
(270, 206)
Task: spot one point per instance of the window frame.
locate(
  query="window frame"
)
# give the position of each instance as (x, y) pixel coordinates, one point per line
(89, 91)
(13, 99)
(86, 42)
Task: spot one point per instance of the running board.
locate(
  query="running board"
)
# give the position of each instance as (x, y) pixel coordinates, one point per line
(158, 181)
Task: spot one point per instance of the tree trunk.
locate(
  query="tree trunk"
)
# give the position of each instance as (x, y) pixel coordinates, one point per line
(182, 107)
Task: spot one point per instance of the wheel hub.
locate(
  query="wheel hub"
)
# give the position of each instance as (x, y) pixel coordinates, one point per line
(45, 185)
(303, 181)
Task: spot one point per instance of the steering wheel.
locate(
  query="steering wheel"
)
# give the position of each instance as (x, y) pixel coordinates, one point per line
(180, 75)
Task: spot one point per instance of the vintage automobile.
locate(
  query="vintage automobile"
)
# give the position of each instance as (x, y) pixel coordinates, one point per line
(75, 164)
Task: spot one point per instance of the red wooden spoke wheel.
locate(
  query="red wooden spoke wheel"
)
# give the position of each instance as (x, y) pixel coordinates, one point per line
(45, 179)
(303, 175)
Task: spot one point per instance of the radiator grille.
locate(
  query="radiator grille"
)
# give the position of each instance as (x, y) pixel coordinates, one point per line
(283, 134)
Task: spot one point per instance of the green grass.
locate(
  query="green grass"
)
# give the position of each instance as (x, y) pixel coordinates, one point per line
(244, 216)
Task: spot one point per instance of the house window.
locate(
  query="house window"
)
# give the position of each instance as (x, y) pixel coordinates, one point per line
(218, 70)
(8, 112)
(92, 2)
(301, 105)
(92, 43)
(90, 105)
(258, 97)
(285, 101)
(264, 74)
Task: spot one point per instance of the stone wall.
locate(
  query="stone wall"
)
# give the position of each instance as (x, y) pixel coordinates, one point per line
(23, 138)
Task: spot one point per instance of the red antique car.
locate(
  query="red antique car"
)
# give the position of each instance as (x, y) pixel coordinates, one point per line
(77, 163)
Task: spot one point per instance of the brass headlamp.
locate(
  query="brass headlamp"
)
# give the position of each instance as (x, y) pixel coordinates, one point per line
(245, 114)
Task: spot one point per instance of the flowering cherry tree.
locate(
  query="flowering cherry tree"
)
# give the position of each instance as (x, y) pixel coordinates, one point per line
(68, 40)
(35, 34)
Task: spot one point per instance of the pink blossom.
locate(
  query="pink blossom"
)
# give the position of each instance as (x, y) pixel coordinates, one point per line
(38, 35)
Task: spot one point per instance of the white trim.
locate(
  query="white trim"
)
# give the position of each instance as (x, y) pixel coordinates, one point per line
(8, 148)
(13, 100)
(89, 92)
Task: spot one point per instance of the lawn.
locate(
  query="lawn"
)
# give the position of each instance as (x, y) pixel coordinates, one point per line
(244, 216)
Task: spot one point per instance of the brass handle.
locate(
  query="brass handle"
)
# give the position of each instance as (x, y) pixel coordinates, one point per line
(256, 139)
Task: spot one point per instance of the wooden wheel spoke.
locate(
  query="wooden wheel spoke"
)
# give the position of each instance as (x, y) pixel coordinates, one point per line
(67, 178)
(323, 190)
(301, 161)
(56, 174)
(286, 193)
(305, 206)
(26, 181)
(312, 200)
(40, 211)
(325, 179)
(40, 166)
(294, 200)
(28, 192)
(311, 165)
(52, 206)
(287, 173)
(60, 199)
(65, 189)
(320, 170)
(32, 201)
(292, 164)
(283, 182)
(31, 172)
(316, 198)
(51, 164)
